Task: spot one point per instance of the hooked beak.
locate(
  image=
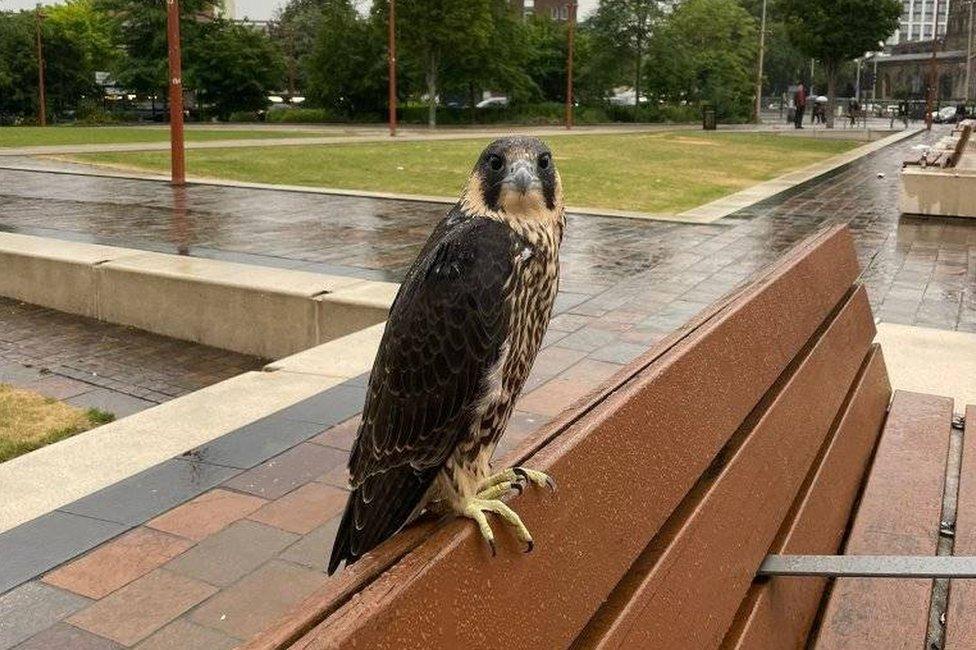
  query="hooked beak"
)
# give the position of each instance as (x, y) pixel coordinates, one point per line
(522, 175)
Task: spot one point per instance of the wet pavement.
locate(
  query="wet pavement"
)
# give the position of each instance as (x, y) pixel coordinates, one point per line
(919, 270)
(93, 364)
(201, 572)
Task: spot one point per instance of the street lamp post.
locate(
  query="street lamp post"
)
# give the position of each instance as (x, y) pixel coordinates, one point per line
(177, 153)
(571, 27)
(759, 72)
(392, 63)
(41, 99)
(933, 71)
(969, 52)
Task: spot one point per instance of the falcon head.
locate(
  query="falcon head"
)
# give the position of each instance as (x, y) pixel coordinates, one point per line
(514, 178)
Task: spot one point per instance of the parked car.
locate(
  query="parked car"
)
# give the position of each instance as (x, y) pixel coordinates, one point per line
(492, 102)
(945, 115)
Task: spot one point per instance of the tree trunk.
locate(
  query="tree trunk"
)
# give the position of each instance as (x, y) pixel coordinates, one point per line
(431, 90)
(637, 78)
(471, 109)
(831, 70)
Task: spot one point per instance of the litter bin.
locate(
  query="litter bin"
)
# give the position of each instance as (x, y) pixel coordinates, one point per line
(708, 118)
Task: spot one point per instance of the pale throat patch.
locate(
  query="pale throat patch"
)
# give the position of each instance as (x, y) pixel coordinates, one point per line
(514, 205)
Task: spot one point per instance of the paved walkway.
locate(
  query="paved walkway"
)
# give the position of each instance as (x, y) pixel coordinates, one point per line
(217, 569)
(94, 364)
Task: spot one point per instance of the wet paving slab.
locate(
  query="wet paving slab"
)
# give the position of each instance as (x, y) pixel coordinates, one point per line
(918, 270)
(93, 364)
(626, 283)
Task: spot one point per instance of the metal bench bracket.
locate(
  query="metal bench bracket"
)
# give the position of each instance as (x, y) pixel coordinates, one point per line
(870, 566)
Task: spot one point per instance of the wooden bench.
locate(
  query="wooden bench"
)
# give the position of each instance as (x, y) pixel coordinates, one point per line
(748, 432)
(946, 152)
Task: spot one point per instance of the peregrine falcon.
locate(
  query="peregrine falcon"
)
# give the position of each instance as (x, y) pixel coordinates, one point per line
(461, 338)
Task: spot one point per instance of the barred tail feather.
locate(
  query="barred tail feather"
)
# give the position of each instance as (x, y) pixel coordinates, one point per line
(376, 510)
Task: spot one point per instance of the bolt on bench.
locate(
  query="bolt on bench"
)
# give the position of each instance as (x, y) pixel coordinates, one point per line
(753, 438)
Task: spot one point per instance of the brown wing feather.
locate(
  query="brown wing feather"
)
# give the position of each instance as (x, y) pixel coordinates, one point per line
(445, 332)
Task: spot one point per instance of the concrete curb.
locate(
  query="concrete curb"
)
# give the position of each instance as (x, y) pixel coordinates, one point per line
(44, 480)
(706, 213)
(261, 311)
(763, 191)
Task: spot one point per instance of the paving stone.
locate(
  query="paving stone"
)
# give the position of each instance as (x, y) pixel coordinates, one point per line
(207, 514)
(341, 436)
(619, 352)
(181, 634)
(142, 607)
(32, 608)
(117, 563)
(68, 637)
(328, 407)
(150, 492)
(256, 442)
(303, 509)
(17, 374)
(223, 558)
(313, 549)
(284, 473)
(41, 544)
(83, 355)
(252, 604)
(58, 387)
(118, 404)
(337, 477)
(588, 339)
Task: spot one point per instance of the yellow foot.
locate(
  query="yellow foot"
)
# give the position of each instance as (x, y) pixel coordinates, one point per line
(476, 508)
(515, 478)
(495, 487)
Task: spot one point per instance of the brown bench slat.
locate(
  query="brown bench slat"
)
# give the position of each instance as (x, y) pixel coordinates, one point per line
(779, 612)
(899, 514)
(961, 614)
(702, 564)
(623, 466)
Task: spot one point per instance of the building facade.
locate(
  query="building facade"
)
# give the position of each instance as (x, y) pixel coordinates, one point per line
(906, 70)
(555, 9)
(919, 22)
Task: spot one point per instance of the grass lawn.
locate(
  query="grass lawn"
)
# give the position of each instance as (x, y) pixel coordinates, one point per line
(654, 172)
(33, 136)
(29, 421)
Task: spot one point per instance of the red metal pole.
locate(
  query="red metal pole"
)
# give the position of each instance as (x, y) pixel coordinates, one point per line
(392, 60)
(569, 65)
(177, 153)
(933, 72)
(41, 98)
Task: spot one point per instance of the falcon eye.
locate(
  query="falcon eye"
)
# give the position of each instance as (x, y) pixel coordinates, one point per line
(495, 162)
(544, 161)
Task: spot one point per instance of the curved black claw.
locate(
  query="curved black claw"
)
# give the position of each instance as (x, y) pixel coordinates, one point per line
(519, 472)
(529, 545)
(551, 484)
(494, 551)
(519, 487)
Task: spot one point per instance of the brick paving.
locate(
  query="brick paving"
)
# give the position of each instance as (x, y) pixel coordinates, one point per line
(94, 364)
(257, 544)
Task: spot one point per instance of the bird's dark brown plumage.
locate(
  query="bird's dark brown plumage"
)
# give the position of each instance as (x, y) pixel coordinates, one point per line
(450, 332)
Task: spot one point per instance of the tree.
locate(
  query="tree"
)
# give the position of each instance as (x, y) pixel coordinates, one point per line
(296, 29)
(499, 62)
(625, 27)
(347, 68)
(77, 43)
(139, 30)
(432, 32)
(232, 66)
(836, 31)
(705, 51)
(18, 65)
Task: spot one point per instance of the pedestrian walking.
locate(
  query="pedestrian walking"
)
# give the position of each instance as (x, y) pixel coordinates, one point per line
(800, 99)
